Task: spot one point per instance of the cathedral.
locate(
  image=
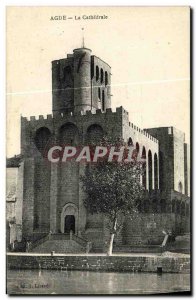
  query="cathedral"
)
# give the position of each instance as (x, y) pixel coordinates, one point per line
(51, 195)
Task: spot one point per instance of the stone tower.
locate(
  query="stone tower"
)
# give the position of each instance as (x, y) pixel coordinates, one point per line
(80, 82)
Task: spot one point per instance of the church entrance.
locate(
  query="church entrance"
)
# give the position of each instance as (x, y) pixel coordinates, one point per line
(69, 224)
(69, 218)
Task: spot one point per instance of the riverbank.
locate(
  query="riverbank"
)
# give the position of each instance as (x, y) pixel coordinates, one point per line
(166, 262)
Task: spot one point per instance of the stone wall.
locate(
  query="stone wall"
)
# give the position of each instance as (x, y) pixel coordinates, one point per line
(45, 192)
(42, 196)
(113, 263)
(62, 85)
(146, 229)
(166, 156)
(179, 170)
(19, 193)
(172, 155)
(187, 169)
(63, 185)
(94, 231)
(28, 198)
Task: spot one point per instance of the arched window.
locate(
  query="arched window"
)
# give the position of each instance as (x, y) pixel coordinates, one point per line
(155, 172)
(150, 169)
(161, 171)
(180, 187)
(69, 134)
(97, 73)
(103, 101)
(143, 153)
(106, 78)
(137, 147)
(94, 134)
(67, 74)
(130, 142)
(99, 93)
(135, 153)
(144, 167)
(101, 75)
(42, 139)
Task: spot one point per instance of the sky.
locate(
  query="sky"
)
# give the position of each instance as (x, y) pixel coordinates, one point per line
(148, 49)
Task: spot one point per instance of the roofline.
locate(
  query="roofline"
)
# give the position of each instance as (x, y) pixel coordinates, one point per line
(101, 60)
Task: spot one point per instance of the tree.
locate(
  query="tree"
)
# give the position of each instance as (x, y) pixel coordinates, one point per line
(112, 188)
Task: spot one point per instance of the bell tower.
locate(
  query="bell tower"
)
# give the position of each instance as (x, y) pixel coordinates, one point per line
(80, 82)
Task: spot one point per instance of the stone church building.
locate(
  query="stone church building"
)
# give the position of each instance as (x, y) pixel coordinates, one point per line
(51, 194)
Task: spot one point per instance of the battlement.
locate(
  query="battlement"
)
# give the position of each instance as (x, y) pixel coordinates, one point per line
(58, 115)
(120, 111)
(143, 131)
(36, 118)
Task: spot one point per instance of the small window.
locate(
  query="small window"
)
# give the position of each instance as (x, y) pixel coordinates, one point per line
(103, 101)
(66, 73)
(130, 142)
(99, 93)
(101, 75)
(106, 78)
(144, 152)
(97, 73)
(137, 147)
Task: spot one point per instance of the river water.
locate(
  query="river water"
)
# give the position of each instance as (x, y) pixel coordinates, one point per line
(78, 282)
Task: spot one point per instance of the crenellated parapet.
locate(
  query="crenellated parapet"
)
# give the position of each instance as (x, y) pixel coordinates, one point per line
(63, 115)
(111, 122)
(143, 131)
(87, 116)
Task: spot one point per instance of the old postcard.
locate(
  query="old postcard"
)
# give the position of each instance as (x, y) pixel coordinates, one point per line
(98, 150)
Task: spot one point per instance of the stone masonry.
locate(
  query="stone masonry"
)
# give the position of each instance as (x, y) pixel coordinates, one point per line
(51, 193)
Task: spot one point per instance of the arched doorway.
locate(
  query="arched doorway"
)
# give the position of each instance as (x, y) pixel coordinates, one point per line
(69, 218)
(69, 224)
